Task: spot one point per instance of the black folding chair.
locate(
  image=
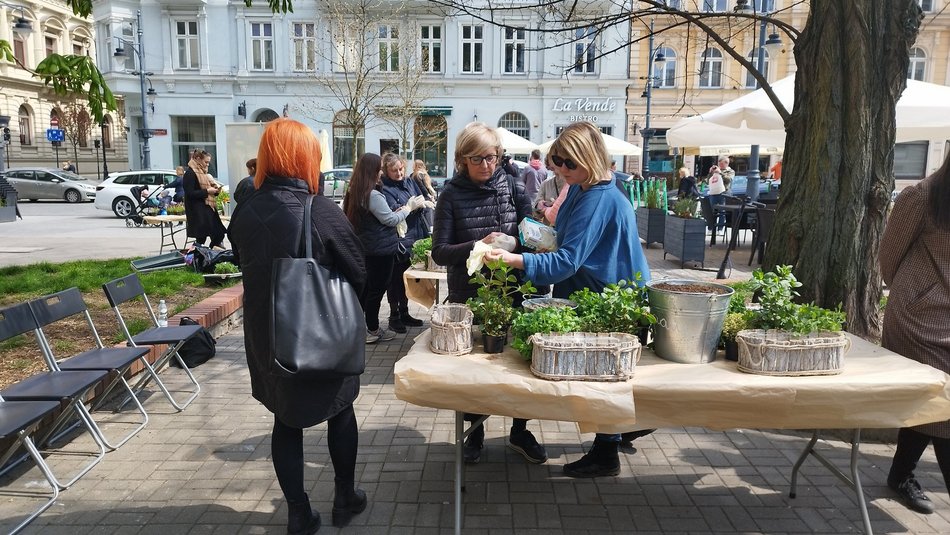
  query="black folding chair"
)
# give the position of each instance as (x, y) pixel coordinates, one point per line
(763, 227)
(18, 420)
(128, 288)
(68, 389)
(711, 217)
(116, 360)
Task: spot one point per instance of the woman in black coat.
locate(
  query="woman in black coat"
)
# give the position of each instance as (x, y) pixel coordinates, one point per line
(265, 227)
(201, 209)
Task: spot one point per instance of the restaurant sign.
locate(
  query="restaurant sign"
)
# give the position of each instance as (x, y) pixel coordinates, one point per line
(584, 108)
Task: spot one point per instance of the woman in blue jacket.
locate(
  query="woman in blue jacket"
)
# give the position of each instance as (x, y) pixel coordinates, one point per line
(597, 245)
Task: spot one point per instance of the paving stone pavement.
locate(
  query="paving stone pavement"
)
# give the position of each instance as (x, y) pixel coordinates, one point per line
(207, 470)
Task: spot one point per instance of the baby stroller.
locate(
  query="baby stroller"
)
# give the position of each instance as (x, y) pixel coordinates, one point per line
(146, 206)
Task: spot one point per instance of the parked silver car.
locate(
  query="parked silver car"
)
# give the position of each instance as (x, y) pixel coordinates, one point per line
(39, 183)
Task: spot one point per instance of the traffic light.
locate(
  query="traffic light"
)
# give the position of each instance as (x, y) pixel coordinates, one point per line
(6, 133)
(96, 143)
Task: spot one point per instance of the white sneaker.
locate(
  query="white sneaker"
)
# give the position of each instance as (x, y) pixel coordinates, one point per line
(382, 335)
(372, 337)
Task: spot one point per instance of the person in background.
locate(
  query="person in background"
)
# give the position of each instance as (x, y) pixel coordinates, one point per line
(687, 186)
(550, 197)
(727, 174)
(375, 224)
(399, 192)
(421, 176)
(480, 202)
(598, 245)
(715, 189)
(915, 265)
(263, 228)
(69, 166)
(201, 209)
(246, 186)
(775, 172)
(533, 175)
(178, 184)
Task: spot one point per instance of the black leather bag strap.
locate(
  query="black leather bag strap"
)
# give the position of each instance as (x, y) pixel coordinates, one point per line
(305, 241)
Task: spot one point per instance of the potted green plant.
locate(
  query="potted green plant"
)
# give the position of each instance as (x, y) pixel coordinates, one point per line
(651, 217)
(684, 235)
(493, 306)
(542, 320)
(734, 322)
(620, 308)
(790, 338)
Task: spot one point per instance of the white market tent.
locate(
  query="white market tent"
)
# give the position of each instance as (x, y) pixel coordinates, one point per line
(615, 146)
(923, 112)
(513, 143)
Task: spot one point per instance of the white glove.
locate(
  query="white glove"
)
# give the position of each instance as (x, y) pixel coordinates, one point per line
(430, 204)
(416, 203)
(402, 228)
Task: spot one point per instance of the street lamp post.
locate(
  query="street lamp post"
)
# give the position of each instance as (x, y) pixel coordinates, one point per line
(144, 133)
(105, 166)
(654, 57)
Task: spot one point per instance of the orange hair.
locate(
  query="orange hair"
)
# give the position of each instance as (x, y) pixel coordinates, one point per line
(288, 149)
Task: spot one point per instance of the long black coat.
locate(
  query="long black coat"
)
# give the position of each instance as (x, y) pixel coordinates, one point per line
(201, 219)
(467, 212)
(264, 227)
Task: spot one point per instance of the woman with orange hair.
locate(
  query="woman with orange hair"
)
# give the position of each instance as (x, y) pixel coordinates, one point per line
(265, 227)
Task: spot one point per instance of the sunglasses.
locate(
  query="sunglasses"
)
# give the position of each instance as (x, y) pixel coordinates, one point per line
(477, 160)
(564, 162)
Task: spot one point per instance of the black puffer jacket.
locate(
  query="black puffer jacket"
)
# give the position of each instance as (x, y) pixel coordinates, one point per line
(264, 227)
(397, 193)
(467, 212)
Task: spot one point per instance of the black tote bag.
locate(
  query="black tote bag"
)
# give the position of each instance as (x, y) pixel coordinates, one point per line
(316, 324)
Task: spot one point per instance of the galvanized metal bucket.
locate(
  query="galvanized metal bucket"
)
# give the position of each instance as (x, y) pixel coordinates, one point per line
(688, 325)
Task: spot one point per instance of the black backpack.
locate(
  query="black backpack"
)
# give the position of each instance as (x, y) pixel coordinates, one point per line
(199, 349)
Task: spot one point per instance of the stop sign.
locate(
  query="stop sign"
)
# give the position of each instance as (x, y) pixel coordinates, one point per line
(54, 121)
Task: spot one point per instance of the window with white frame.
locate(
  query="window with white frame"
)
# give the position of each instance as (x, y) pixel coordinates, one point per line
(666, 75)
(710, 68)
(516, 123)
(262, 46)
(585, 50)
(52, 45)
(926, 5)
(515, 42)
(25, 122)
(305, 46)
(917, 69)
(19, 49)
(387, 37)
(430, 41)
(186, 37)
(472, 46)
(717, 6)
(753, 57)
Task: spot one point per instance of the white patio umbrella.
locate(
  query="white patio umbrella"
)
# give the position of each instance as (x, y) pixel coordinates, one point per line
(923, 112)
(513, 143)
(615, 146)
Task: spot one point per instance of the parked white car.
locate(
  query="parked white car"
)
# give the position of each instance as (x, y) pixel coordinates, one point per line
(115, 193)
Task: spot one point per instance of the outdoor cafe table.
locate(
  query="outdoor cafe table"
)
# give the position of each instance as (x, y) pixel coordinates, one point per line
(877, 389)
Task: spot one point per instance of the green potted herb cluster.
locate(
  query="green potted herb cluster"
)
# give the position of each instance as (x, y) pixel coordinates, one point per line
(651, 217)
(493, 306)
(684, 235)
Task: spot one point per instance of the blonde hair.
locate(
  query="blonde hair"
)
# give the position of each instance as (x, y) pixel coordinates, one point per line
(179, 170)
(474, 140)
(583, 143)
(684, 172)
(419, 163)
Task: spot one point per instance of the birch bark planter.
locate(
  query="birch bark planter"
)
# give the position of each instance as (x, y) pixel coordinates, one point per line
(777, 352)
(685, 239)
(651, 224)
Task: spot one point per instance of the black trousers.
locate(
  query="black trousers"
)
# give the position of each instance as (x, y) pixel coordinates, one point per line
(287, 453)
(398, 302)
(379, 270)
(910, 446)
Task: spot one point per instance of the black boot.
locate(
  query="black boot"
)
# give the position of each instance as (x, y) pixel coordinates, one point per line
(408, 320)
(347, 502)
(396, 324)
(301, 520)
(601, 460)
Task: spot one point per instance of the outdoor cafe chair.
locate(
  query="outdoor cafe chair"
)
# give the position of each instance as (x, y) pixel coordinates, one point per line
(67, 389)
(711, 217)
(121, 291)
(19, 420)
(117, 360)
(763, 227)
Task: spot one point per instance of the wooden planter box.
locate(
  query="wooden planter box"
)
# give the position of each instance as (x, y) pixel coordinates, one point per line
(685, 239)
(651, 224)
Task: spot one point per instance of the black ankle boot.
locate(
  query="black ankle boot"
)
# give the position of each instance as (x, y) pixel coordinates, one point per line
(408, 320)
(347, 502)
(601, 460)
(301, 520)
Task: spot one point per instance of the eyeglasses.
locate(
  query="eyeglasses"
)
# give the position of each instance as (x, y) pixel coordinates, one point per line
(564, 162)
(477, 160)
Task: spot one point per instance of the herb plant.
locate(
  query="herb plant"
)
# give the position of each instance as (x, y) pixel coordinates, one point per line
(225, 268)
(420, 250)
(542, 320)
(493, 305)
(653, 198)
(685, 208)
(777, 290)
(620, 308)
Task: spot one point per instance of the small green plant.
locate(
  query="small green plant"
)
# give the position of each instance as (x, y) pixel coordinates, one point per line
(620, 308)
(225, 268)
(741, 297)
(685, 208)
(542, 320)
(735, 322)
(176, 209)
(653, 199)
(777, 290)
(493, 305)
(420, 250)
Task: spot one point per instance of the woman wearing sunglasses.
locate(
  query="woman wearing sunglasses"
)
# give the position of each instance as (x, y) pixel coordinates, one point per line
(597, 245)
(481, 202)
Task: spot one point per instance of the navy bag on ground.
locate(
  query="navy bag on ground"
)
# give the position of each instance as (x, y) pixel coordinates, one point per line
(199, 349)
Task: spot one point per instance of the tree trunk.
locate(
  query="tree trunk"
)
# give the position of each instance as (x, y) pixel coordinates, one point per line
(852, 60)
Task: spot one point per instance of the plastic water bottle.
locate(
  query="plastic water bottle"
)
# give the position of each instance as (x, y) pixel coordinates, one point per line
(162, 314)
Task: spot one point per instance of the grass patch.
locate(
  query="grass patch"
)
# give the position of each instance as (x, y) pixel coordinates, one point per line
(19, 340)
